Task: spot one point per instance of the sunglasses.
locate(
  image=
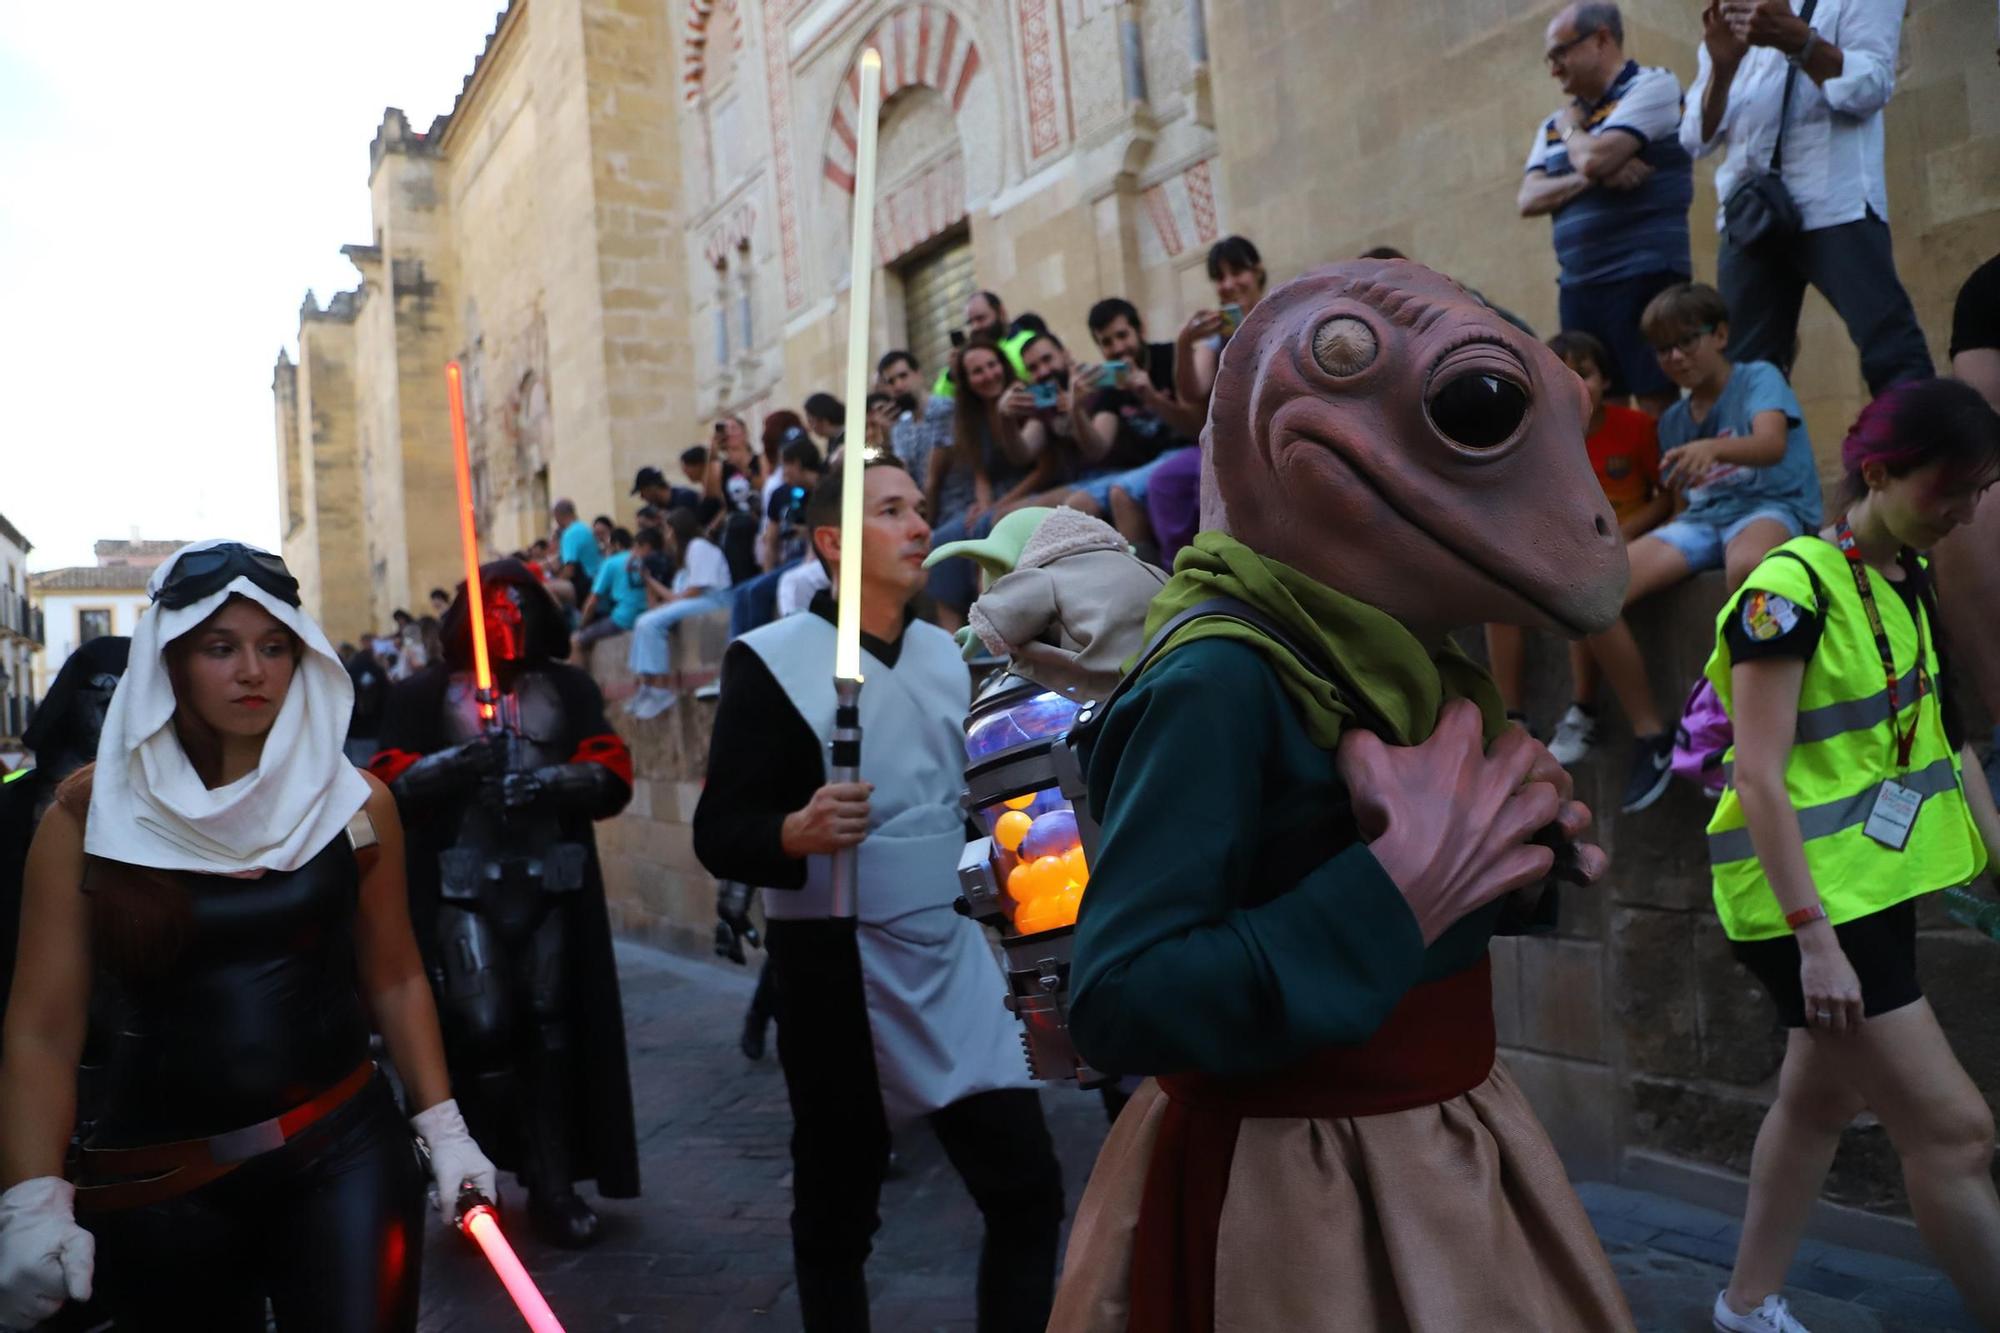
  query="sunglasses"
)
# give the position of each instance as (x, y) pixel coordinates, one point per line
(206, 572)
(1685, 344)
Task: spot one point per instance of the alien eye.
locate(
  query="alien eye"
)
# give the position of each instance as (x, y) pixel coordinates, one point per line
(1479, 410)
(1344, 346)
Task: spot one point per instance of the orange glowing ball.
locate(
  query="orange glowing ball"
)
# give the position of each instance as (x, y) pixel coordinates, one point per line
(1075, 867)
(1021, 883)
(1051, 876)
(1040, 914)
(1020, 802)
(1011, 828)
(1067, 903)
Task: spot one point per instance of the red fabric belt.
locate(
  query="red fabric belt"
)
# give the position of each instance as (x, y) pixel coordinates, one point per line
(1436, 1044)
(167, 1170)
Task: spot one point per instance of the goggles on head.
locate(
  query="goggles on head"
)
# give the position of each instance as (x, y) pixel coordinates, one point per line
(203, 573)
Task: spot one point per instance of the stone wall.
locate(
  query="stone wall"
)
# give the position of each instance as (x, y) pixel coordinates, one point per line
(1640, 1041)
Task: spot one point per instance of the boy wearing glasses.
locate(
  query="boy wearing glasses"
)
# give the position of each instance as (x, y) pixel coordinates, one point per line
(1735, 451)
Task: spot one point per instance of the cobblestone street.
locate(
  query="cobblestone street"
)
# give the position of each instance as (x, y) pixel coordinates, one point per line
(706, 1249)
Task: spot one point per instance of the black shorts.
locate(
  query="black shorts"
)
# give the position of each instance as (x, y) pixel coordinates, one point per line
(1881, 948)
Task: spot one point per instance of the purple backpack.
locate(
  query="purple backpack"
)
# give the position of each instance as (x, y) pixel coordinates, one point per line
(1703, 735)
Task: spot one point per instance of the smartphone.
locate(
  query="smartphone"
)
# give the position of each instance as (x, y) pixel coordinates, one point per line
(1113, 372)
(1046, 395)
(958, 337)
(1232, 316)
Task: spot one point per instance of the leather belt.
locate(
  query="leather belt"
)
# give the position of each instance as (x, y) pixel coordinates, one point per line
(110, 1179)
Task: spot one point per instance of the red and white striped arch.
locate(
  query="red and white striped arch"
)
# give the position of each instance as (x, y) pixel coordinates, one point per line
(694, 40)
(922, 46)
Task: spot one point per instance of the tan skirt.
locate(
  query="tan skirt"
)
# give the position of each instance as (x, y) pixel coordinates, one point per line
(1445, 1219)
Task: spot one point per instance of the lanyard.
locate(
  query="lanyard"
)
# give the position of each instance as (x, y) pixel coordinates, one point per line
(1844, 536)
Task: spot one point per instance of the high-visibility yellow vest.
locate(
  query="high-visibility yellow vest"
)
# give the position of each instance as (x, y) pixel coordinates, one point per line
(1843, 749)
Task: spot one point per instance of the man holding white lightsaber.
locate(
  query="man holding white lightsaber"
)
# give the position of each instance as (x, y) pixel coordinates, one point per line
(886, 1012)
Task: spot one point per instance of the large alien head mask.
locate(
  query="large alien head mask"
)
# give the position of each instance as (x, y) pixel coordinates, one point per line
(1377, 428)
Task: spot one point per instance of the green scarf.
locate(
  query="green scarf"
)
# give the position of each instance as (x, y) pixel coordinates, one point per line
(1398, 680)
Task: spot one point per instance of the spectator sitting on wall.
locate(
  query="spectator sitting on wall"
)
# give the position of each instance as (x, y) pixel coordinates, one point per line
(1237, 270)
(652, 487)
(826, 417)
(601, 529)
(1968, 561)
(1128, 421)
(578, 555)
(1044, 401)
(1736, 452)
(780, 429)
(694, 470)
(991, 462)
(699, 585)
(1624, 450)
(1173, 495)
(440, 601)
(985, 317)
(600, 609)
(1610, 169)
(753, 602)
(920, 421)
(1827, 81)
(730, 461)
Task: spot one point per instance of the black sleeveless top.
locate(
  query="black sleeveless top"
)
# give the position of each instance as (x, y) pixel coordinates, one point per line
(257, 1010)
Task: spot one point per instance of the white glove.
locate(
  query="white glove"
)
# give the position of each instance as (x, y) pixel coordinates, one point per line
(45, 1257)
(455, 1158)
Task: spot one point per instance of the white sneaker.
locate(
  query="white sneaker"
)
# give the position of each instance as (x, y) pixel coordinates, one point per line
(652, 701)
(1575, 735)
(1773, 1316)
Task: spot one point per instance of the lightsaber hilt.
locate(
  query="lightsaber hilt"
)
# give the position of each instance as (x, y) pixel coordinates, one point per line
(844, 764)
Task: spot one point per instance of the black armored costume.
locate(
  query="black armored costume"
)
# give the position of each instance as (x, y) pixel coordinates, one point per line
(63, 737)
(507, 900)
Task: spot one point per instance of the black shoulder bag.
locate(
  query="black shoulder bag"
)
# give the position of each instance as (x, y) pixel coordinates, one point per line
(1760, 209)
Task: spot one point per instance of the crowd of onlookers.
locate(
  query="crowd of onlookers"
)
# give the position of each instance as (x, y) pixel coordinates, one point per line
(1696, 435)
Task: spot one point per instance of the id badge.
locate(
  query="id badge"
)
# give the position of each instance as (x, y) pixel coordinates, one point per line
(1894, 813)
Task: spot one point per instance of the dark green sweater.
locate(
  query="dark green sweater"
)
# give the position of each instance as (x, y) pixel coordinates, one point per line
(1234, 924)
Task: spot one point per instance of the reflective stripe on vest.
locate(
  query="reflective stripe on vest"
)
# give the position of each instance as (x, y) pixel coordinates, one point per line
(1842, 751)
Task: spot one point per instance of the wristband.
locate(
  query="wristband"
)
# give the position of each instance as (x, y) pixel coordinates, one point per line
(1805, 916)
(1804, 53)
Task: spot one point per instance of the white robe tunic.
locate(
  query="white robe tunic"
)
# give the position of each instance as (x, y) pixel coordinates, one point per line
(933, 988)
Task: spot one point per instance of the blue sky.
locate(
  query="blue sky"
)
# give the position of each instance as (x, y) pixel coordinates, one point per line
(172, 179)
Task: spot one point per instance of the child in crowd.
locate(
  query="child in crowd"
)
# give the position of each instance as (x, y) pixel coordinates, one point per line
(1735, 452)
(1624, 450)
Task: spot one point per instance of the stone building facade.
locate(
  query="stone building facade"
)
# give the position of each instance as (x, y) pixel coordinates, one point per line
(636, 218)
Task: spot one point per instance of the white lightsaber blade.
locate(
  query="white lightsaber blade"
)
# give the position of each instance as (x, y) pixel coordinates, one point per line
(845, 765)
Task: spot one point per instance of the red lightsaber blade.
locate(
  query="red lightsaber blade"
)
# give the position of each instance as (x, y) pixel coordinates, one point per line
(468, 540)
(484, 1228)
(477, 1219)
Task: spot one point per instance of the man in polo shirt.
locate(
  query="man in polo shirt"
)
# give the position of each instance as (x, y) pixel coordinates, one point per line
(1610, 168)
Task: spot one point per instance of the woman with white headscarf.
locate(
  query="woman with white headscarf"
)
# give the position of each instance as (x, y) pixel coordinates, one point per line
(241, 884)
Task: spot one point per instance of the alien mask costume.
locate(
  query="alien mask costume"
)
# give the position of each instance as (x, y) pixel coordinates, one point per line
(507, 900)
(1327, 1142)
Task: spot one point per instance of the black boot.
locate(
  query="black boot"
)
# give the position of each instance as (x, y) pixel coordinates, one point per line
(832, 1299)
(555, 1210)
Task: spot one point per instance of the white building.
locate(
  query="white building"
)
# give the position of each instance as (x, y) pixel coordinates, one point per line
(80, 603)
(20, 640)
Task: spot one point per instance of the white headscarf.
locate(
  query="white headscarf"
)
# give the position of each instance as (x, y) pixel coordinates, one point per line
(149, 807)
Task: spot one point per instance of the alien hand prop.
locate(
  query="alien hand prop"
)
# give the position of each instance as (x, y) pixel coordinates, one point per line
(1454, 826)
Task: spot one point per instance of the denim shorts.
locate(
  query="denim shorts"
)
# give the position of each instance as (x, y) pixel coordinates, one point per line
(1704, 545)
(1132, 481)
